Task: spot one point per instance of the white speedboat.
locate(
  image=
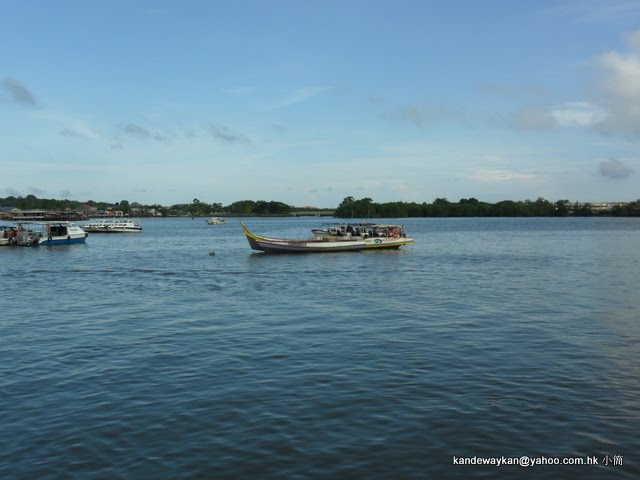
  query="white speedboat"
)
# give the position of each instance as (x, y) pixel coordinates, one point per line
(215, 221)
(111, 225)
(32, 234)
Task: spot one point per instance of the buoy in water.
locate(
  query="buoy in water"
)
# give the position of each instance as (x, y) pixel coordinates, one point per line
(212, 253)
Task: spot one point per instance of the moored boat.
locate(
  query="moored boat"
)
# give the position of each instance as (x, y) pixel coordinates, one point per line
(313, 245)
(33, 234)
(378, 237)
(126, 225)
(6, 234)
(215, 221)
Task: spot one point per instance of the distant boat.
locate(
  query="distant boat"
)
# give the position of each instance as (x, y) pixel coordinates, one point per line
(215, 221)
(126, 225)
(384, 238)
(33, 234)
(6, 233)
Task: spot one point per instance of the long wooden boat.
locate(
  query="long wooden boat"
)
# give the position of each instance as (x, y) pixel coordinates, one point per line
(323, 243)
(283, 245)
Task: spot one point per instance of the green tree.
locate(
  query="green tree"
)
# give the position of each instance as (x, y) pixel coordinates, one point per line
(242, 207)
(563, 208)
(543, 208)
(441, 207)
(350, 208)
(124, 206)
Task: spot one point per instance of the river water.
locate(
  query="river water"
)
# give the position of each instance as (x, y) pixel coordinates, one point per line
(181, 353)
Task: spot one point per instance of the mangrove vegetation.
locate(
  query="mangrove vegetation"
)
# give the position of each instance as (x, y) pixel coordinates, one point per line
(348, 208)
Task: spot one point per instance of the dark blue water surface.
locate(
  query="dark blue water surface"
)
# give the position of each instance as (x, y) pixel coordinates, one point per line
(144, 356)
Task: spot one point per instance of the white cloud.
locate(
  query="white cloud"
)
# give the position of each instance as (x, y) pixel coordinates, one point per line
(577, 114)
(621, 89)
(623, 74)
(497, 175)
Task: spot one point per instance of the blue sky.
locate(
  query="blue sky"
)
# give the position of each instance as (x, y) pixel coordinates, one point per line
(308, 102)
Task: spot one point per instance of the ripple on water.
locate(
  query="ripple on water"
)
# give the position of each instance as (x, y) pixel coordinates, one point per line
(487, 337)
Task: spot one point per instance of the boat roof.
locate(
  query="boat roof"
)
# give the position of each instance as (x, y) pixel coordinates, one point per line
(365, 224)
(49, 222)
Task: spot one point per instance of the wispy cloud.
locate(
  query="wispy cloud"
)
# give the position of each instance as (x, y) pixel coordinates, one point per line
(226, 135)
(78, 129)
(37, 191)
(18, 93)
(582, 114)
(614, 168)
(240, 90)
(68, 132)
(154, 12)
(141, 133)
(569, 114)
(534, 118)
(595, 11)
(298, 96)
(633, 40)
(425, 115)
(504, 90)
(11, 192)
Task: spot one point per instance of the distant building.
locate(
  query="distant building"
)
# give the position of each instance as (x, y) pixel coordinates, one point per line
(32, 215)
(88, 211)
(604, 207)
(6, 213)
(17, 215)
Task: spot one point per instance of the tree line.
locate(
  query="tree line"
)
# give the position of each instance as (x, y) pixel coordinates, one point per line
(472, 207)
(348, 208)
(195, 208)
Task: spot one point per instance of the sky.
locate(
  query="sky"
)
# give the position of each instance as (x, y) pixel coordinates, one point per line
(310, 101)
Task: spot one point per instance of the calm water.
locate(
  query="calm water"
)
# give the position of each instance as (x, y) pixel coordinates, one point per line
(143, 356)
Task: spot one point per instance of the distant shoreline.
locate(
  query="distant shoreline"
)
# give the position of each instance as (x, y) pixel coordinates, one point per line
(33, 208)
